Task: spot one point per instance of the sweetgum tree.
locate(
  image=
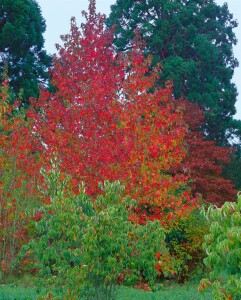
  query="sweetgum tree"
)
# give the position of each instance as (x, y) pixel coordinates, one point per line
(194, 41)
(105, 121)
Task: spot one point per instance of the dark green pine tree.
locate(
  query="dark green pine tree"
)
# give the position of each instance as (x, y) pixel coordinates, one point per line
(193, 40)
(21, 46)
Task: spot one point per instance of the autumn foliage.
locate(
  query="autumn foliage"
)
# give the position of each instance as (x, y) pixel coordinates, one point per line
(105, 121)
(19, 176)
(204, 161)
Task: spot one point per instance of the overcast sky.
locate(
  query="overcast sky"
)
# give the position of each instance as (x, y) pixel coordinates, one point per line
(57, 14)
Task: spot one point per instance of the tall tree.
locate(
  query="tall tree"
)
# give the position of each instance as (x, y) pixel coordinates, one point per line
(193, 40)
(21, 46)
(105, 123)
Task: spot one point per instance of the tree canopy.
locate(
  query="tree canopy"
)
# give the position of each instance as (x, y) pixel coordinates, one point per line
(104, 122)
(21, 46)
(194, 41)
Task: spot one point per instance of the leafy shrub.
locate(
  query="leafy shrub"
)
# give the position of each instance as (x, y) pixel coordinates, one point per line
(185, 244)
(90, 247)
(223, 247)
(18, 179)
(14, 222)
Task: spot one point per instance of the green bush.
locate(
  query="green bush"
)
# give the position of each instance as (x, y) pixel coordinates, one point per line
(184, 242)
(90, 247)
(223, 247)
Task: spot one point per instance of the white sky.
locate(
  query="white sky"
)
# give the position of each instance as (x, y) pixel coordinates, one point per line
(57, 14)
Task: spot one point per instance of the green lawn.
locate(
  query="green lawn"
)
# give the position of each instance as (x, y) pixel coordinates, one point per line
(172, 292)
(175, 292)
(8, 292)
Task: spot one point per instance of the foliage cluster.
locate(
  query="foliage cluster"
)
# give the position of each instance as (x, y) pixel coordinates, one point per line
(223, 247)
(19, 178)
(106, 122)
(184, 241)
(193, 40)
(90, 247)
(21, 47)
(204, 160)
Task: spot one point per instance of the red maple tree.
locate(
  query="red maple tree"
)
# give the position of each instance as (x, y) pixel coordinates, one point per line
(105, 121)
(204, 160)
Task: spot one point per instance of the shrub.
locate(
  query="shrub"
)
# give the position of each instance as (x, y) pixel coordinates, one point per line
(223, 247)
(184, 240)
(14, 222)
(19, 176)
(90, 247)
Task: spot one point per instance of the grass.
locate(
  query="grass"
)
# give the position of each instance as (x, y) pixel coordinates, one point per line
(173, 291)
(8, 292)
